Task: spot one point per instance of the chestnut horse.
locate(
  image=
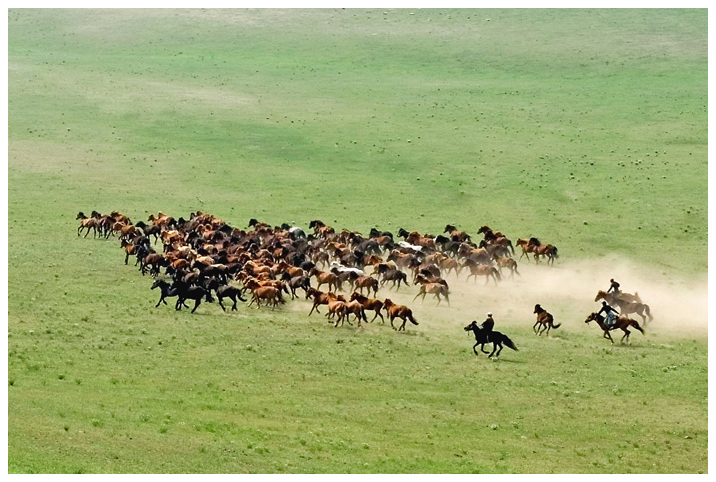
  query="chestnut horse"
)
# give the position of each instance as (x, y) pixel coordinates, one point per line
(436, 289)
(484, 270)
(623, 323)
(367, 282)
(398, 311)
(545, 320)
(626, 307)
(370, 304)
(509, 263)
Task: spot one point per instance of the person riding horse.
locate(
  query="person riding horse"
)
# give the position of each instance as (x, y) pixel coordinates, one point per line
(488, 325)
(610, 314)
(613, 286)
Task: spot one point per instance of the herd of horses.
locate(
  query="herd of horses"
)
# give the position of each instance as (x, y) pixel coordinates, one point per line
(192, 258)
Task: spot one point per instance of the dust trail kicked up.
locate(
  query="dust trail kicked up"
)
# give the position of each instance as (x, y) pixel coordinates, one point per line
(567, 290)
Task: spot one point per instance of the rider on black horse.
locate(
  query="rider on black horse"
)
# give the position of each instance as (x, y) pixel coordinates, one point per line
(488, 325)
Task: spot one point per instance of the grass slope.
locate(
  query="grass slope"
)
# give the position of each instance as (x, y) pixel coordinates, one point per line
(586, 128)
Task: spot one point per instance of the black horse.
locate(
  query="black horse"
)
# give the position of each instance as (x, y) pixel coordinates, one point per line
(484, 336)
(231, 292)
(166, 289)
(394, 275)
(185, 292)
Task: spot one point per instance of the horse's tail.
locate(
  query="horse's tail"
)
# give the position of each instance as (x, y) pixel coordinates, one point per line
(556, 326)
(412, 320)
(554, 252)
(508, 343)
(512, 248)
(648, 312)
(635, 324)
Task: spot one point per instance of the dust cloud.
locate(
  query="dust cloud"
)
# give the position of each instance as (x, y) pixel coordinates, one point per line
(567, 290)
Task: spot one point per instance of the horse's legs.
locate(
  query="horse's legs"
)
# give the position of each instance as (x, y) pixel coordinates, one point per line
(391, 321)
(474, 348)
(402, 327)
(160, 301)
(494, 347)
(482, 347)
(233, 307)
(196, 304)
(608, 335)
(626, 335)
(220, 303)
(534, 327)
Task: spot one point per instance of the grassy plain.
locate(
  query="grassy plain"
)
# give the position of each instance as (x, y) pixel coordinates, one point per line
(586, 128)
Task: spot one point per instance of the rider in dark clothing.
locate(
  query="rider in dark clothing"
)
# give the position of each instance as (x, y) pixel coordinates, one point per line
(614, 286)
(610, 314)
(488, 325)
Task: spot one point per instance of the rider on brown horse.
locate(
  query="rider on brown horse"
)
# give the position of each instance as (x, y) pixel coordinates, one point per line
(610, 314)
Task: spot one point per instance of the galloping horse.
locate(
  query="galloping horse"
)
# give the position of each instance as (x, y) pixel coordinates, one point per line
(625, 306)
(398, 311)
(545, 320)
(86, 223)
(370, 304)
(623, 323)
(548, 251)
(509, 263)
(436, 289)
(526, 246)
(484, 270)
(484, 336)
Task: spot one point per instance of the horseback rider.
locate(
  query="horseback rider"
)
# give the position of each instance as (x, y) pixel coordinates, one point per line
(613, 286)
(610, 314)
(487, 326)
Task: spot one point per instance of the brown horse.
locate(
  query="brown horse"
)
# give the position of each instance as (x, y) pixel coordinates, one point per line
(86, 223)
(526, 246)
(319, 298)
(353, 308)
(268, 294)
(545, 320)
(548, 251)
(398, 311)
(436, 289)
(484, 270)
(368, 283)
(620, 295)
(460, 236)
(489, 233)
(626, 307)
(323, 277)
(623, 323)
(449, 264)
(370, 304)
(509, 263)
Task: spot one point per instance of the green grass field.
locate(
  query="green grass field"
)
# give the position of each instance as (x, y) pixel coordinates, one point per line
(585, 128)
